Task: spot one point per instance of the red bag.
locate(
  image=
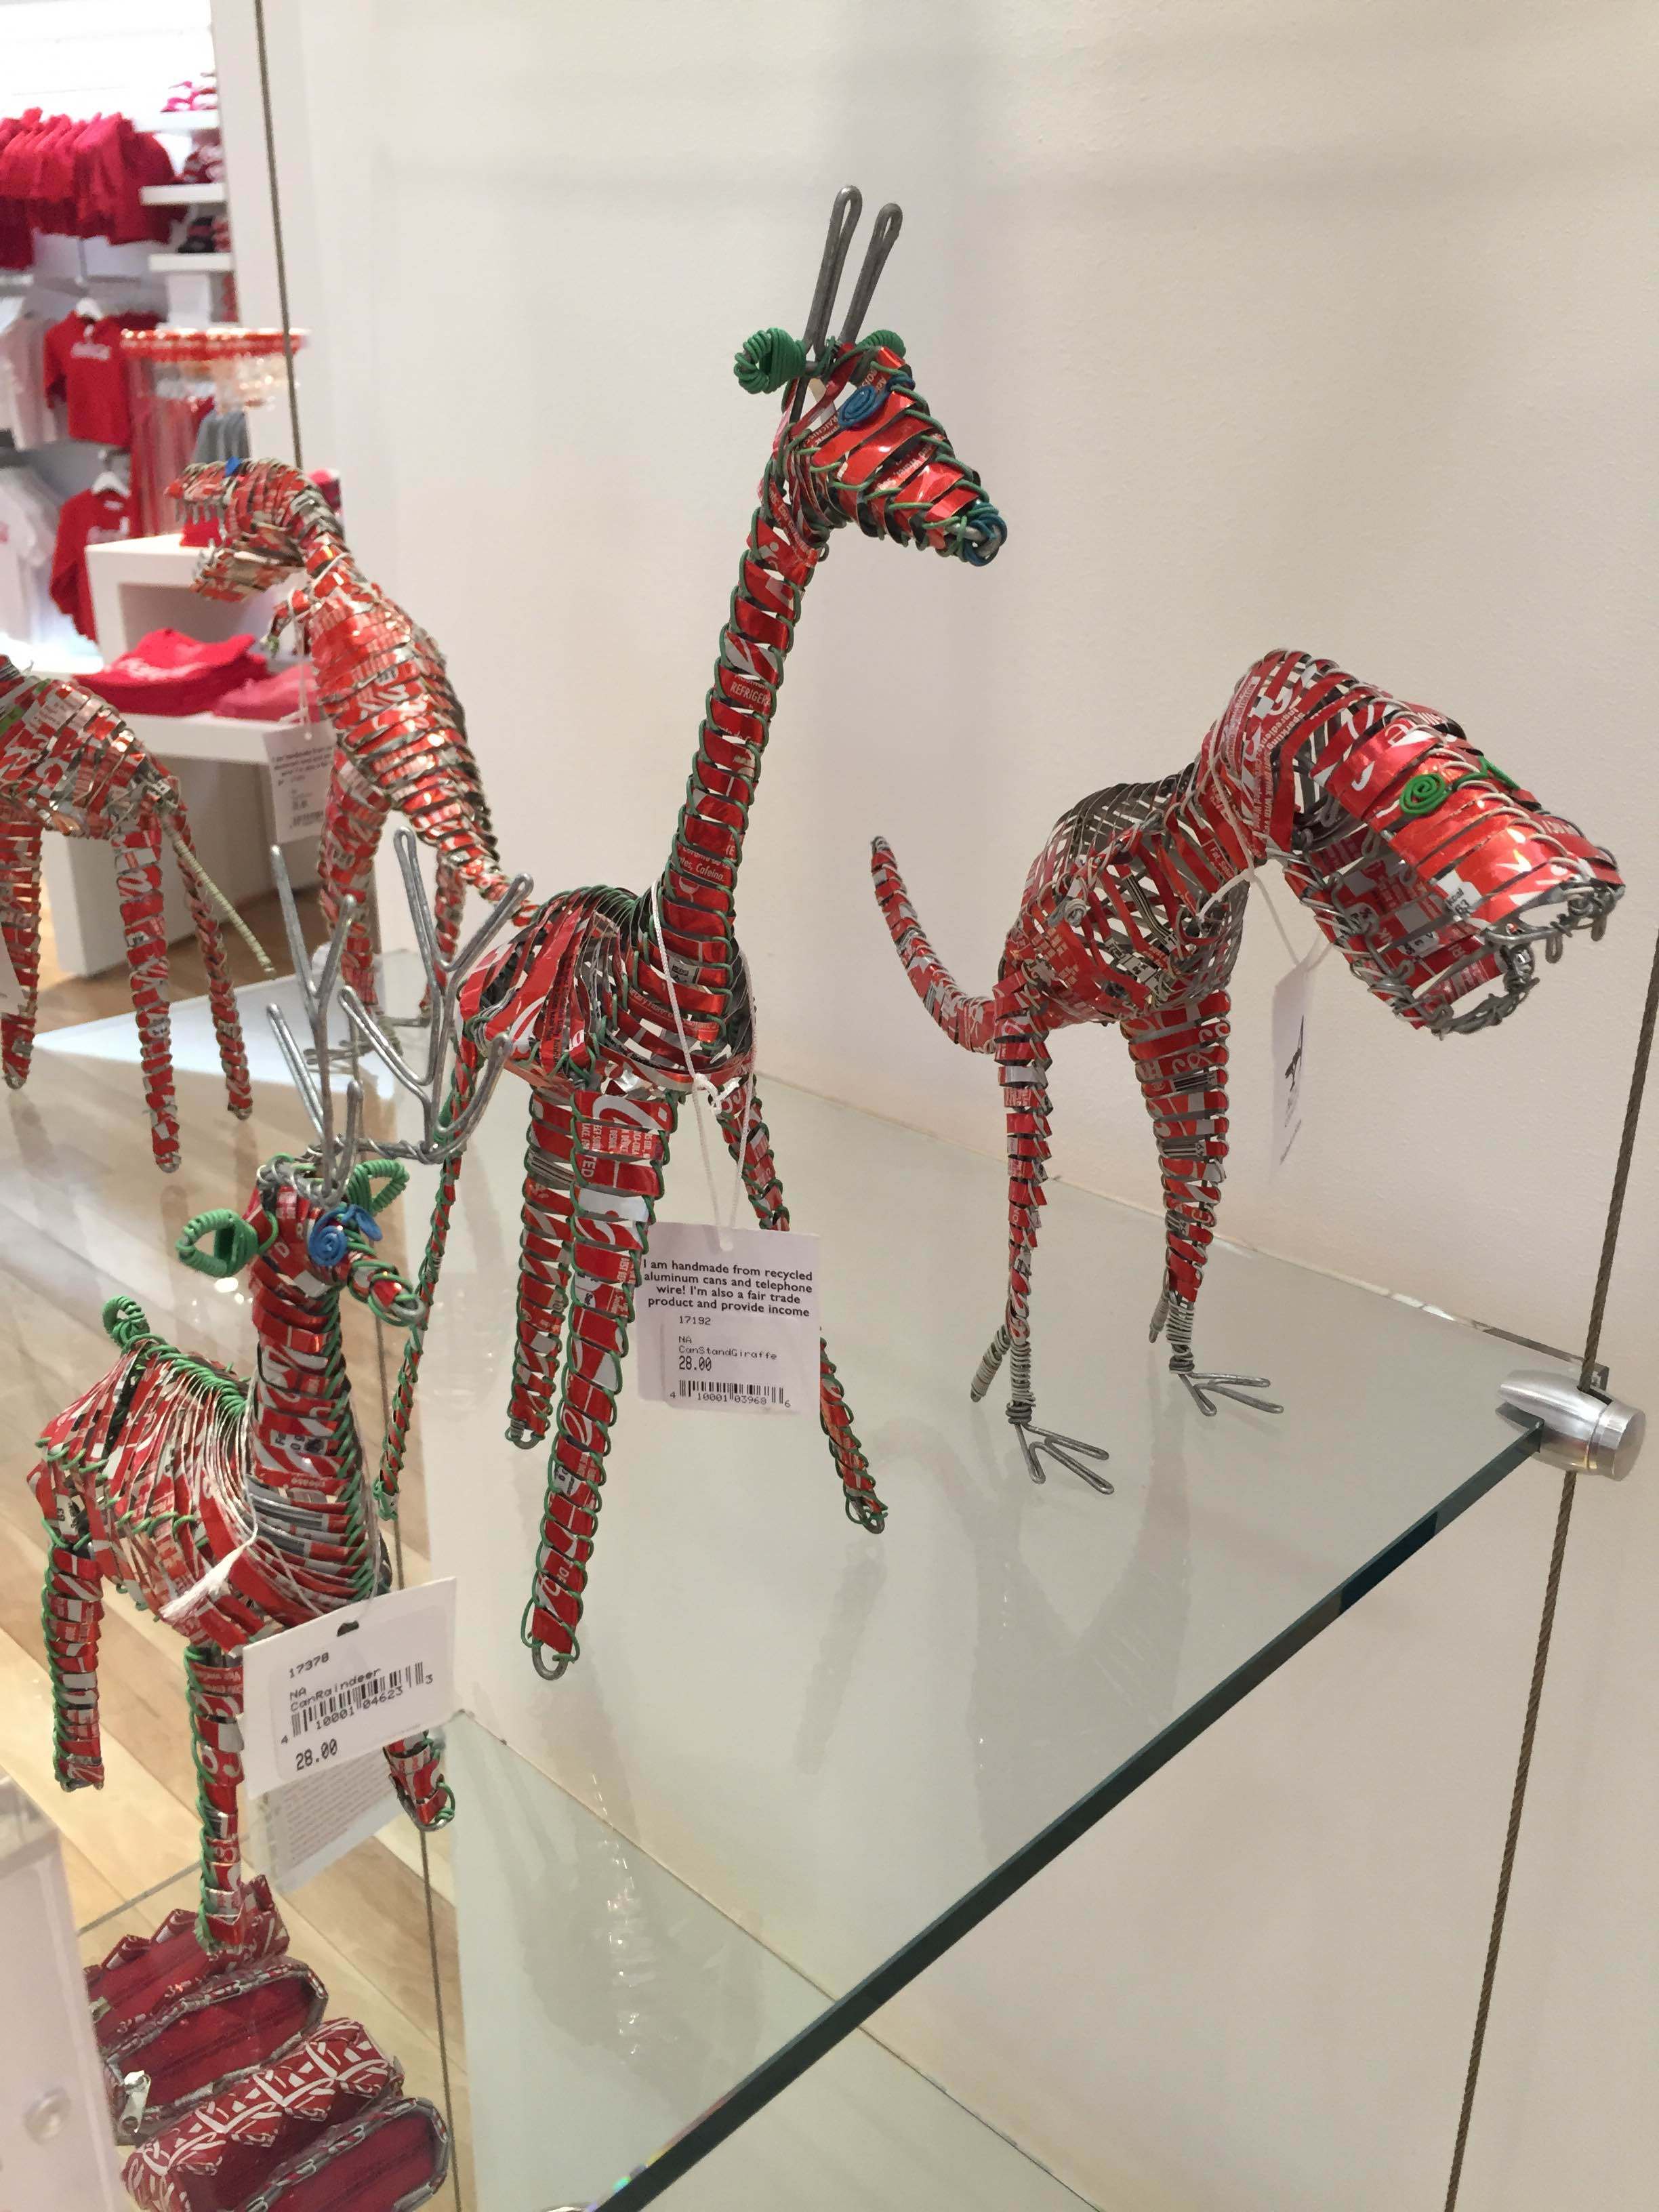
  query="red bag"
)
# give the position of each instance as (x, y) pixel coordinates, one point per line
(391, 2159)
(143, 1971)
(203, 2042)
(229, 2148)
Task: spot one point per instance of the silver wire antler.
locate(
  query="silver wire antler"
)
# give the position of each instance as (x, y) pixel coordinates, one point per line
(441, 1136)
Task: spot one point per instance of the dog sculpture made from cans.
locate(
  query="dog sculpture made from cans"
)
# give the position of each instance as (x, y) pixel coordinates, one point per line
(614, 1004)
(69, 763)
(401, 745)
(231, 1508)
(1431, 872)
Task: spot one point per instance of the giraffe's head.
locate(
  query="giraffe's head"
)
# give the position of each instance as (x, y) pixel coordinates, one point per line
(857, 442)
(269, 517)
(319, 1240)
(1437, 877)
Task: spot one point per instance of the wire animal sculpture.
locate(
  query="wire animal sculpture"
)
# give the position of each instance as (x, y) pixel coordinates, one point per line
(616, 1005)
(400, 736)
(230, 1506)
(1433, 872)
(69, 763)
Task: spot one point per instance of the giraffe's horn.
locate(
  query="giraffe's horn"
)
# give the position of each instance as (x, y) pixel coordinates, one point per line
(875, 260)
(843, 222)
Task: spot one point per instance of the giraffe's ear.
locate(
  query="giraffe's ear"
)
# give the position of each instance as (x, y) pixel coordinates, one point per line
(768, 360)
(360, 1188)
(234, 1242)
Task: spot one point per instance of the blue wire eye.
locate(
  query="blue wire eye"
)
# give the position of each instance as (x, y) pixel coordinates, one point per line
(860, 403)
(327, 1244)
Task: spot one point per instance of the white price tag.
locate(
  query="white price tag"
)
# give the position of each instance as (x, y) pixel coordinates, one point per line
(735, 1329)
(1292, 997)
(301, 755)
(299, 1830)
(11, 990)
(349, 1683)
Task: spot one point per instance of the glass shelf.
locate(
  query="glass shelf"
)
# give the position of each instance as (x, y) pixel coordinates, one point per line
(789, 1747)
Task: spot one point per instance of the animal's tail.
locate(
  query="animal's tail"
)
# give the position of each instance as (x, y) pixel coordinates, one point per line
(966, 1020)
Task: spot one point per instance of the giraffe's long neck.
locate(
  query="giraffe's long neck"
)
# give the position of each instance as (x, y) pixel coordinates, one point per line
(695, 893)
(308, 1490)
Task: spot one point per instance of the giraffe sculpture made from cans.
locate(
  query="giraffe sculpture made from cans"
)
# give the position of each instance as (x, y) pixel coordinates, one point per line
(401, 745)
(614, 1004)
(1432, 873)
(69, 763)
(234, 1508)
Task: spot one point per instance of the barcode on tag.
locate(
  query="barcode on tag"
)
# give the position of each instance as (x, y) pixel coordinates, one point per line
(739, 1394)
(322, 1708)
(347, 1684)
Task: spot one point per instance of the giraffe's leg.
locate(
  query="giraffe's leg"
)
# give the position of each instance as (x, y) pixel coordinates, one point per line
(621, 1147)
(71, 1608)
(1180, 1056)
(213, 1683)
(544, 1266)
(221, 998)
(760, 1180)
(1021, 1053)
(20, 922)
(345, 861)
(138, 881)
(416, 1767)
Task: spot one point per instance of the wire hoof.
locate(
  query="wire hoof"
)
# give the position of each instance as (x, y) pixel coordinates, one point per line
(523, 1435)
(867, 1513)
(243, 1113)
(385, 1502)
(561, 1661)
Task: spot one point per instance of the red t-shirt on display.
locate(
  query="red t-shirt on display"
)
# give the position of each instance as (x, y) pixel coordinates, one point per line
(89, 517)
(85, 369)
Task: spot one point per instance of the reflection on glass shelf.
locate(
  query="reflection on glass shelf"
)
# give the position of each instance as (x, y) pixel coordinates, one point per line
(606, 2004)
(832, 1735)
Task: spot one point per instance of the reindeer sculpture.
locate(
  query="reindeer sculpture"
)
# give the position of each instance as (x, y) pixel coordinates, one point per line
(69, 763)
(1430, 871)
(400, 736)
(616, 1005)
(232, 1508)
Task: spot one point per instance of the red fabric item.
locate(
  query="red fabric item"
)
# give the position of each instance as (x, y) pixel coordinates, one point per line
(84, 369)
(16, 238)
(88, 518)
(79, 177)
(270, 698)
(168, 673)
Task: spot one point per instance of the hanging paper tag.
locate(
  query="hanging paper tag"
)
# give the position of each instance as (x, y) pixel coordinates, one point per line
(350, 1682)
(300, 1829)
(12, 999)
(735, 1328)
(1291, 999)
(300, 755)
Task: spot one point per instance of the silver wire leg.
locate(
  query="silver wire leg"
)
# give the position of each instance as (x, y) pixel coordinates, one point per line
(1033, 1441)
(1176, 1315)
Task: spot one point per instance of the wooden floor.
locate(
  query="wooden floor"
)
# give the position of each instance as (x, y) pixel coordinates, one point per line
(84, 1214)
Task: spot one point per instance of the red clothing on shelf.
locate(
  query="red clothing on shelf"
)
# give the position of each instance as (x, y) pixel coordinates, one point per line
(272, 698)
(168, 673)
(89, 517)
(84, 369)
(82, 176)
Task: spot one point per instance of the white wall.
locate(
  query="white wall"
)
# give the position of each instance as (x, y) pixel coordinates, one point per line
(1297, 324)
